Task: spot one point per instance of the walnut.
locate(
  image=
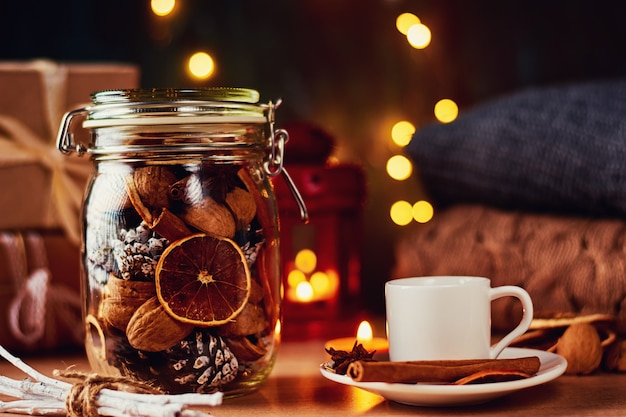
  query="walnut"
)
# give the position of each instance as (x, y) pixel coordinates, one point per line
(152, 329)
(210, 217)
(152, 183)
(242, 204)
(250, 321)
(117, 312)
(580, 345)
(247, 349)
(123, 297)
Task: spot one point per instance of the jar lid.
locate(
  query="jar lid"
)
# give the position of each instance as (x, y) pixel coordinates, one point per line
(160, 106)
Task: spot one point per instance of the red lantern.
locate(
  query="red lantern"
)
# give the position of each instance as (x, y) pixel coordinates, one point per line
(320, 259)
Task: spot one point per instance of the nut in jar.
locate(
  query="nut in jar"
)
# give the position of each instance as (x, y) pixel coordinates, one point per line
(178, 259)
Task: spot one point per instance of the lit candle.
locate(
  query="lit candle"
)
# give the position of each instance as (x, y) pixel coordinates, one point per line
(364, 336)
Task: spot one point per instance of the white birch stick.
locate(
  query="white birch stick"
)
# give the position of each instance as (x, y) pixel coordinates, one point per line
(162, 399)
(42, 408)
(28, 389)
(47, 396)
(19, 364)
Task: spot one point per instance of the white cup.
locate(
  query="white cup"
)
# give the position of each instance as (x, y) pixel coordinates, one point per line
(447, 317)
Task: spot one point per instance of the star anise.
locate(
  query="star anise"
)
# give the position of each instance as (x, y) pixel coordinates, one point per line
(340, 359)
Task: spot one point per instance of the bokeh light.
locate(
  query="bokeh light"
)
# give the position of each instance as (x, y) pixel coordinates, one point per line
(320, 282)
(162, 7)
(304, 291)
(419, 36)
(399, 167)
(306, 261)
(201, 65)
(402, 132)
(446, 110)
(405, 21)
(295, 277)
(401, 213)
(333, 280)
(422, 211)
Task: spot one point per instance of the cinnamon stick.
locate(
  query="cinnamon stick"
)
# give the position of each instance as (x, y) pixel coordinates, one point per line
(170, 226)
(437, 371)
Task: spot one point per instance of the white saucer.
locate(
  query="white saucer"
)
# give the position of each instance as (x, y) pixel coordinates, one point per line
(552, 366)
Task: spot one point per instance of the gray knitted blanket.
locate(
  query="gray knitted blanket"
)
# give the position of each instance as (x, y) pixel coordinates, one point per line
(559, 149)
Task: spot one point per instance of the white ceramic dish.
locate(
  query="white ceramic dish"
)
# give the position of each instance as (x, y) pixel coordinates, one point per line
(552, 366)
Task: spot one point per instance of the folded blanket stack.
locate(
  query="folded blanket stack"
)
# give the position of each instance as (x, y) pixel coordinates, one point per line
(529, 190)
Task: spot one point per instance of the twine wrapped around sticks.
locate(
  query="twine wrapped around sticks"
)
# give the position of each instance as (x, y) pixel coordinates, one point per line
(82, 397)
(94, 395)
(569, 265)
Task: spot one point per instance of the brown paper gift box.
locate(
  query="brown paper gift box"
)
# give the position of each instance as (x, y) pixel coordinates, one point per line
(38, 245)
(33, 97)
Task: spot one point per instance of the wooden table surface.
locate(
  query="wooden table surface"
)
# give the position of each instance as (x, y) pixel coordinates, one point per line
(296, 387)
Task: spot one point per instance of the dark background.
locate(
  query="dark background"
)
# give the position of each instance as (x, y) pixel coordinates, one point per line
(340, 64)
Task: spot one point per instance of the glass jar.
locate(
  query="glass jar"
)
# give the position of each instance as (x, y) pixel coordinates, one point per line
(181, 273)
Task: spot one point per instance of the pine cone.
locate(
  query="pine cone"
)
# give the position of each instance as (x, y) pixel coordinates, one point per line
(200, 363)
(137, 252)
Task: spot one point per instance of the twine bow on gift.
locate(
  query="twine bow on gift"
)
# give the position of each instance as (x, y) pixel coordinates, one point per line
(37, 302)
(19, 145)
(23, 145)
(27, 310)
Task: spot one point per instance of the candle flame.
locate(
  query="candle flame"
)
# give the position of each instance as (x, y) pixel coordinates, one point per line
(364, 332)
(278, 328)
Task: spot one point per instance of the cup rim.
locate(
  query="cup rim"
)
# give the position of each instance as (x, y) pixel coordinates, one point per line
(437, 281)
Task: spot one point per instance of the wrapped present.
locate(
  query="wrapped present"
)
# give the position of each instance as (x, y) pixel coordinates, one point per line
(41, 304)
(34, 97)
(41, 199)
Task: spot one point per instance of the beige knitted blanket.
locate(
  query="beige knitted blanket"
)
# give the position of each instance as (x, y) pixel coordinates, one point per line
(567, 264)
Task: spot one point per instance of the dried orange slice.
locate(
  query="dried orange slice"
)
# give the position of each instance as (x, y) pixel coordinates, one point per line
(491, 376)
(203, 279)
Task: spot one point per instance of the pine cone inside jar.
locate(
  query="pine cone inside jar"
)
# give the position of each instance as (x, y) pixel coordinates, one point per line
(137, 251)
(200, 363)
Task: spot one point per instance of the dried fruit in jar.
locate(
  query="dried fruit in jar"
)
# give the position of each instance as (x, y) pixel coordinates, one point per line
(203, 280)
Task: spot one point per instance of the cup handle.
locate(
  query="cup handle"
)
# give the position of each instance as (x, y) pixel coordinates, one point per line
(527, 305)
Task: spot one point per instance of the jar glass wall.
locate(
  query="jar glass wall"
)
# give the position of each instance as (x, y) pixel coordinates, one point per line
(182, 285)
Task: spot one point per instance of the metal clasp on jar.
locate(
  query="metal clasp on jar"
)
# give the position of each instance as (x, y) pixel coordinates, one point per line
(273, 165)
(65, 139)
